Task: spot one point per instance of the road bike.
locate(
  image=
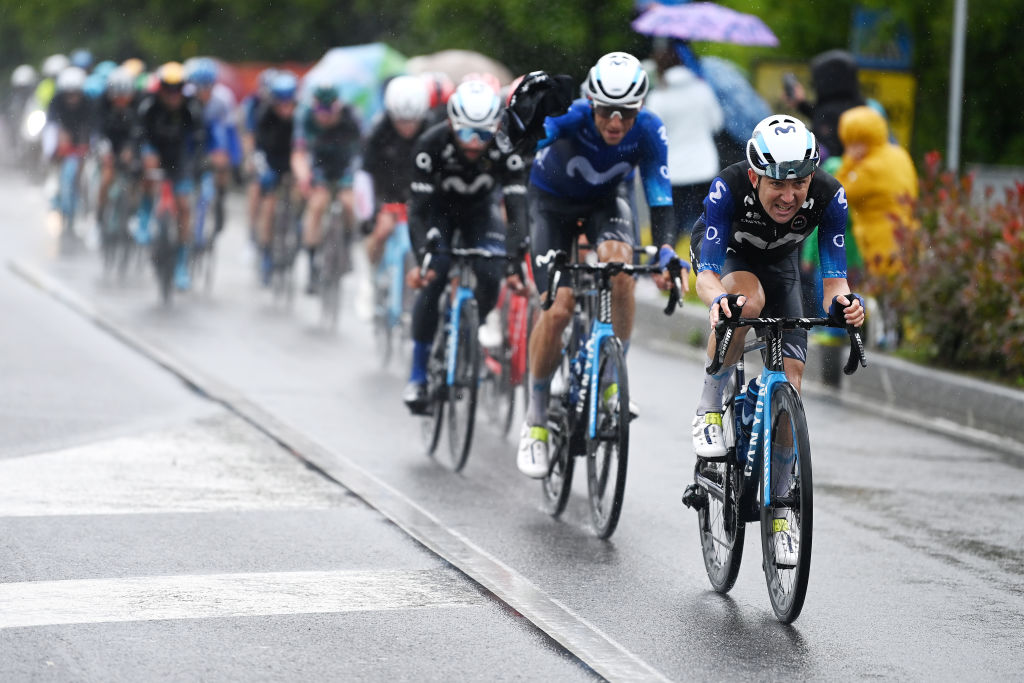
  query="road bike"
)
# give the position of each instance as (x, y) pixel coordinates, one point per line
(285, 241)
(453, 368)
(335, 261)
(390, 299)
(117, 245)
(201, 255)
(765, 474)
(504, 383)
(588, 414)
(165, 249)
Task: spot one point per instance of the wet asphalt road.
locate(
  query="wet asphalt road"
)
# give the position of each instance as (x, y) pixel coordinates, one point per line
(918, 568)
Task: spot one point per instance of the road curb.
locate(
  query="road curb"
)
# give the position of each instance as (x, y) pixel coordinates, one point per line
(591, 646)
(959, 407)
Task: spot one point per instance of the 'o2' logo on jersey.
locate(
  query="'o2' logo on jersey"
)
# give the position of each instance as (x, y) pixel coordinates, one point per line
(780, 130)
(716, 191)
(711, 235)
(809, 204)
(841, 195)
(839, 240)
(663, 134)
(424, 162)
(515, 163)
(664, 172)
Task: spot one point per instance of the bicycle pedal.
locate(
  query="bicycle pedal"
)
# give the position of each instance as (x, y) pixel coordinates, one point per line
(695, 497)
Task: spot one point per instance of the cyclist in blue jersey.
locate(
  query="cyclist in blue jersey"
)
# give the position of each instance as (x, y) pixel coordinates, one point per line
(581, 184)
(745, 250)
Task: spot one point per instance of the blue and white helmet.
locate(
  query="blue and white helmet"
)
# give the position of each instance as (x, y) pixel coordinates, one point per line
(618, 80)
(475, 105)
(782, 148)
(201, 72)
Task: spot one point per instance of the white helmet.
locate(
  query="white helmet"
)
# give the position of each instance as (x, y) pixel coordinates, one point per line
(54, 64)
(782, 148)
(23, 76)
(71, 78)
(406, 99)
(618, 79)
(475, 105)
(121, 82)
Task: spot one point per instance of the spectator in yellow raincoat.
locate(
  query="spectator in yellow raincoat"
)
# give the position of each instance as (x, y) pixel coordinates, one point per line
(881, 186)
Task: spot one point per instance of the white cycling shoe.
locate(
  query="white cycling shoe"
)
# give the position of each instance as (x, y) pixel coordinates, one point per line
(787, 538)
(708, 439)
(532, 458)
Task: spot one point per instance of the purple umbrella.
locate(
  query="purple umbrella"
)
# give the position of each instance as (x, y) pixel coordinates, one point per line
(704, 21)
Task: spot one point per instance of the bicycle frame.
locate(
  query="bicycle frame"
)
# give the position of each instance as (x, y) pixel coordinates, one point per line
(393, 263)
(463, 292)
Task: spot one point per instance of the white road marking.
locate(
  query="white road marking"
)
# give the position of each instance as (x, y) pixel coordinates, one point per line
(211, 466)
(91, 601)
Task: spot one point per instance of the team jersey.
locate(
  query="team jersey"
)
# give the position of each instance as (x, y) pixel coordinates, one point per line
(175, 134)
(735, 220)
(273, 137)
(76, 119)
(387, 157)
(445, 180)
(579, 165)
(218, 118)
(334, 146)
(116, 123)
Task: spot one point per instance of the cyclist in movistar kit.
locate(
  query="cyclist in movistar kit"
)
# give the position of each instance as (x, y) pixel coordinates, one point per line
(457, 172)
(744, 248)
(581, 183)
(117, 120)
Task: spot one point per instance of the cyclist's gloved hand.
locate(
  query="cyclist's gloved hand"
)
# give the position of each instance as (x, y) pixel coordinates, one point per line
(726, 306)
(836, 310)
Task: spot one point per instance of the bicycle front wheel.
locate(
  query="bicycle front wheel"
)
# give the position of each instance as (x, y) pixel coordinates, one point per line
(609, 449)
(787, 517)
(462, 394)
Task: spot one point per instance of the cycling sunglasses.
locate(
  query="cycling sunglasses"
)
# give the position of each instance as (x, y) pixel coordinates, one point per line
(607, 111)
(791, 170)
(481, 134)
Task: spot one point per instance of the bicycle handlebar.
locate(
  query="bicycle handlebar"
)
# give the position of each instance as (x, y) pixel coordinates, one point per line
(725, 328)
(560, 263)
(434, 247)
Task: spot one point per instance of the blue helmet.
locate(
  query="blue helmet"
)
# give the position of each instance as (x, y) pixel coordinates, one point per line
(94, 86)
(81, 58)
(203, 72)
(283, 86)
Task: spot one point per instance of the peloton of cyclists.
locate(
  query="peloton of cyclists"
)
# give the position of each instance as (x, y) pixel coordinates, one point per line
(457, 170)
(581, 183)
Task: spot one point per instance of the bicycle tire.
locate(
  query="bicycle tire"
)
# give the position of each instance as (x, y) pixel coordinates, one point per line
(462, 395)
(557, 485)
(431, 424)
(164, 258)
(608, 454)
(382, 328)
(330, 276)
(719, 523)
(787, 586)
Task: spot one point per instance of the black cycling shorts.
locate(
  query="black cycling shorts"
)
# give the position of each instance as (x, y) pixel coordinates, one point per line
(781, 284)
(556, 222)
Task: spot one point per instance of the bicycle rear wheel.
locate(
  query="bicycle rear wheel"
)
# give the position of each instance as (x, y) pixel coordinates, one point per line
(437, 389)
(719, 522)
(462, 394)
(382, 327)
(787, 519)
(165, 256)
(330, 274)
(609, 449)
(558, 484)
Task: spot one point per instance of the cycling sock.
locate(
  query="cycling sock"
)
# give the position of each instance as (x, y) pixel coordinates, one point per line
(312, 258)
(610, 374)
(420, 354)
(711, 397)
(537, 413)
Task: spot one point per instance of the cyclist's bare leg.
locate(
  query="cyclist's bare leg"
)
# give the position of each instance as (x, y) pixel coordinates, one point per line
(221, 164)
(546, 339)
(623, 287)
(383, 227)
(265, 226)
(347, 197)
(184, 219)
(106, 180)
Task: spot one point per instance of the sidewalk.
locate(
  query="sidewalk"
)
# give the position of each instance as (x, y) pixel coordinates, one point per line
(931, 398)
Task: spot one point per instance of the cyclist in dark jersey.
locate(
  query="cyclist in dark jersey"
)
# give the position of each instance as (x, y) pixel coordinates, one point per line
(169, 134)
(116, 122)
(458, 171)
(745, 251)
(387, 154)
(272, 153)
(325, 147)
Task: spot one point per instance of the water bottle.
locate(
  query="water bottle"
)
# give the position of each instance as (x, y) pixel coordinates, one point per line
(746, 411)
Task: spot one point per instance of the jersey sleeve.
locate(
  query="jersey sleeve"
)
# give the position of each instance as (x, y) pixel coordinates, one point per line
(718, 215)
(654, 163)
(832, 236)
(558, 126)
(421, 192)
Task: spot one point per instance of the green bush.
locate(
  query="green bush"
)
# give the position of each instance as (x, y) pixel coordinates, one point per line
(961, 293)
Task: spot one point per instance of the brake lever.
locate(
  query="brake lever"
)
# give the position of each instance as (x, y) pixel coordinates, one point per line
(857, 353)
